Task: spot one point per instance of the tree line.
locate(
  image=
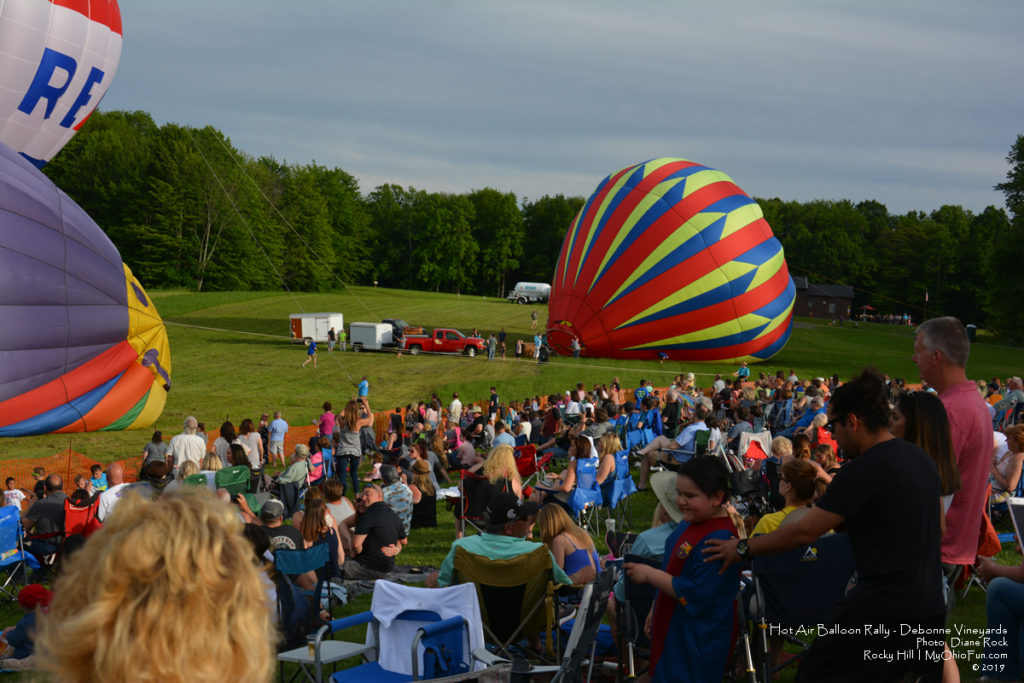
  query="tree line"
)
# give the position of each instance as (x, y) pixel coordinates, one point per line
(188, 210)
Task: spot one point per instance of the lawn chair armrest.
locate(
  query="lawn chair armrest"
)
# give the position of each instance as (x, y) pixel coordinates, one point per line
(353, 620)
(488, 658)
(449, 624)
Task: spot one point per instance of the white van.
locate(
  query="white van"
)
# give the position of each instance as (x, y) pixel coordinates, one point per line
(530, 292)
(370, 336)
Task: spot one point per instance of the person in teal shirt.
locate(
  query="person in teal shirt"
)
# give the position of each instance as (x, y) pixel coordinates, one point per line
(508, 521)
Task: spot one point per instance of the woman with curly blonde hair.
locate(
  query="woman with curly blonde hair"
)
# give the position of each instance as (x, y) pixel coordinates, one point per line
(173, 579)
(500, 469)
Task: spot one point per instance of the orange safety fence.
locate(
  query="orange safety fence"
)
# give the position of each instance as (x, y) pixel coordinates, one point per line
(68, 464)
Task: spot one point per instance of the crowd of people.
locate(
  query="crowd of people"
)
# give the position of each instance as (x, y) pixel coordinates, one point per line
(904, 473)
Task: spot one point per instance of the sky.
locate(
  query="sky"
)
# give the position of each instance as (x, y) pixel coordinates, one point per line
(913, 104)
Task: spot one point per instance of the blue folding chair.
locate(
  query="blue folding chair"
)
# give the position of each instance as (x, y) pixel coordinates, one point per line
(635, 439)
(616, 492)
(13, 558)
(416, 644)
(585, 498)
(317, 558)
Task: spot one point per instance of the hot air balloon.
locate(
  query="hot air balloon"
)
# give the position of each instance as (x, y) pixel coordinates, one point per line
(671, 257)
(82, 348)
(57, 59)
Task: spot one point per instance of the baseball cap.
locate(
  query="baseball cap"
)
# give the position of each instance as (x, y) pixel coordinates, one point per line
(34, 595)
(389, 474)
(272, 509)
(506, 507)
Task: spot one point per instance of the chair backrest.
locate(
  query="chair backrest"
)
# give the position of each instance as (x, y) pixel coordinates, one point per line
(316, 468)
(586, 473)
(300, 561)
(514, 594)
(81, 519)
(521, 439)
(801, 586)
(10, 528)
(700, 441)
(235, 479)
(440, 652)
(196, 480)
(763, 439)
(476, 492)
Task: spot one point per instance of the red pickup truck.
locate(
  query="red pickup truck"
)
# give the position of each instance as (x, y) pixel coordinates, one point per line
(443, 340)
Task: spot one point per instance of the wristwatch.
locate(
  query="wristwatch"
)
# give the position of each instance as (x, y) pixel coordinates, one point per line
(743, 549)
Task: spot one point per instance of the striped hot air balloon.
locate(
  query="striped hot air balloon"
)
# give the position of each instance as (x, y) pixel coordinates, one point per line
(671, 257)
(57, 59)
(82, 348)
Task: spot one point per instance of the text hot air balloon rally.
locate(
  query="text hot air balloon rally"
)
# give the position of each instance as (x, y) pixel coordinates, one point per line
(671, 259)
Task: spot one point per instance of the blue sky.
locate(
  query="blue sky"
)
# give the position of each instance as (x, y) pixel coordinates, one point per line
(913, 104)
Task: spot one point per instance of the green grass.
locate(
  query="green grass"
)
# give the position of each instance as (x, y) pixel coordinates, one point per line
(231, 360)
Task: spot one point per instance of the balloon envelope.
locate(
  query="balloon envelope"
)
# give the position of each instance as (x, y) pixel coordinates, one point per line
(57, 59)
(671, 259)
(82, 348)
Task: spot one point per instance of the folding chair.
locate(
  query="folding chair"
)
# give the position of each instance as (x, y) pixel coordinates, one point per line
(681, 455)
(799, 588)
(630, 616)
(81, 519)
(635, 439)
(586, 498)
(516, 595)
(419, 634)
(316, 558)
(581, 644)
(235, 479)
(476, 492)
(198, 480)
(13, 557)
(616, 492)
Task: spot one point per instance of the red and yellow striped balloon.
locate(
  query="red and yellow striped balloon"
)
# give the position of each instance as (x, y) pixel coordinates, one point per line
(671, 257)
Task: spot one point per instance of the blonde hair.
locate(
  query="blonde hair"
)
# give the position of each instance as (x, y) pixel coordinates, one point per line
(173, 578)
(609, 443)
(820, 420)
(501, 464)
(212, 462)
(422, 479)
(553, 520)
(187, 469)
(781, 447)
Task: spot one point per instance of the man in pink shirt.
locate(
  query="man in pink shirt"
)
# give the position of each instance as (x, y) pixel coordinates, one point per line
(940, 352)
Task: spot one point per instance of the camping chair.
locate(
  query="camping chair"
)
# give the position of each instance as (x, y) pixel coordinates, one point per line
(762, 439)
(13, 557)
(516, 595)
(81, 519)
(198, 480)
(529, 466)
(635, 439)
(681, 455)
(586, 498)
(783, 416)
(476, 492)
(235, 479)
(630, 616)
(581, 644)
(418, 634)
(316, 558)
(616, 492)
(799, 588)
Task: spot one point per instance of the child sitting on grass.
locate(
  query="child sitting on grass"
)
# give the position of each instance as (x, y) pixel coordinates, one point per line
(694, 609)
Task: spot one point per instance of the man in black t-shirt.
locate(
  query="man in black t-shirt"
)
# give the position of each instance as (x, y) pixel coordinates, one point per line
(891, 624)
(377, 537)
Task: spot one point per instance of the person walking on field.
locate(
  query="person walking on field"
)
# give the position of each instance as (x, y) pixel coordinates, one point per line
(331, 338)
(533, 319)
(342, 339)
(310, 354)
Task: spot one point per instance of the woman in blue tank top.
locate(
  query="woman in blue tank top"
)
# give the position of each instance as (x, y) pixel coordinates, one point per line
(571, 546)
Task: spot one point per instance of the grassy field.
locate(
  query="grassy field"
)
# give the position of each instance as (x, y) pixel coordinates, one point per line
(231, 360)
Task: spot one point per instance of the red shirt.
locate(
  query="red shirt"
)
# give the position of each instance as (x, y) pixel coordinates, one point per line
(972, 446)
